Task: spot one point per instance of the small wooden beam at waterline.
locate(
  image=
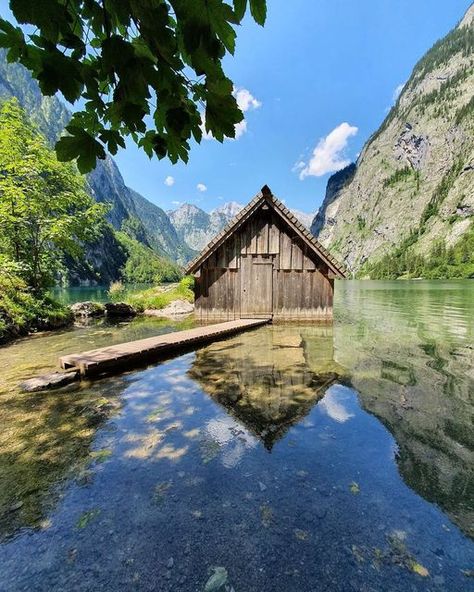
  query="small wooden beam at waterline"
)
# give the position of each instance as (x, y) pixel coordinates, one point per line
(125, 354)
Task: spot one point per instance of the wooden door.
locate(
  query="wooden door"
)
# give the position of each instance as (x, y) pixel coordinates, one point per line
(256, 286)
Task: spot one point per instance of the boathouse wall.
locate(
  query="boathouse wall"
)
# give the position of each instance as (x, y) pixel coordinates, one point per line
(264, 269)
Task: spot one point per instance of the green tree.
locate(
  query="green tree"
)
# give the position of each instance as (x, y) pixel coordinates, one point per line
(45, 212)
(149, 69)
(145, 266)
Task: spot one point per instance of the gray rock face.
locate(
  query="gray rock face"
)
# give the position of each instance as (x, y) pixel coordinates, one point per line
(87, 309)
(335, 184)
(107, 185)
(119, 309)
(197, 227)
(304, 217)
(423, 153)
(411, 149)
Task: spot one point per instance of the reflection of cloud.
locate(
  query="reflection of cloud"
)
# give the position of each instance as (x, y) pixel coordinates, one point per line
(233, 439)
(333, 405)
(175, 379)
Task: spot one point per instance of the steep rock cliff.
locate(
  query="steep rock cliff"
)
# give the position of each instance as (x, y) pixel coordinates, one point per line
(413, 182)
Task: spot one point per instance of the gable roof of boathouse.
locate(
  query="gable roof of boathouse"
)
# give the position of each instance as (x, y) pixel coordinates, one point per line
(265, 197)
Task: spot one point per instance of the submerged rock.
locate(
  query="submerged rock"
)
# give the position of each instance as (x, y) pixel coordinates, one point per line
(119, 309)
(47, 381)
(217, 580)
(87, 309)
(175, 308)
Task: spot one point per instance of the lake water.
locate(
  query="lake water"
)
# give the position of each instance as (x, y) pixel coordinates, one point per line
(302, 458)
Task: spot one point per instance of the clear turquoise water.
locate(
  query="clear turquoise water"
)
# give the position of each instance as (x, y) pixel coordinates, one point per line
(290, 457)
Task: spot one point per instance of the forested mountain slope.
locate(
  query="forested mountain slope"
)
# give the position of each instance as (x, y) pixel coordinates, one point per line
(128, 208)
(407, 206)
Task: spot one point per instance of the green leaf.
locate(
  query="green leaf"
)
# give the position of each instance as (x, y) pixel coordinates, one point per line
(258, 9)
(60, 72)
(177, 119)
(240, 7)
(13, 38)
(222, 115)
(79, 145)
(112, 139)
(119, 71)
(50, 16)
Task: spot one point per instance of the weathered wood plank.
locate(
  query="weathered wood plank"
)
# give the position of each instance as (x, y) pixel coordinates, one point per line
(273, 238)
(262, 236)
(308, 262)
(296, 256)
(253, 225)
(116, 356)
(285, 251)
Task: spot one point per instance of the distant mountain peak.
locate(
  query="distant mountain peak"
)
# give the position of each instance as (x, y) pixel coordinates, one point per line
(228, 209)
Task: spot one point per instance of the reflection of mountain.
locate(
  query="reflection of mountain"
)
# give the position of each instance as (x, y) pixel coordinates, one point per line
(269, 379)
(410, 357)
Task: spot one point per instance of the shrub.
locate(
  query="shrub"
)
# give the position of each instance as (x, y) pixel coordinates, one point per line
(21, 311)
(159, 297)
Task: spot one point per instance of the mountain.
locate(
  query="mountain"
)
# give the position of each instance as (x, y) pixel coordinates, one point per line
(105, 183)
(304, 217)
(409, 196)
(196, 227)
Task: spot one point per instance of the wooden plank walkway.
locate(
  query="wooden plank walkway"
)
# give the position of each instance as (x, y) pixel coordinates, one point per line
(106, 359)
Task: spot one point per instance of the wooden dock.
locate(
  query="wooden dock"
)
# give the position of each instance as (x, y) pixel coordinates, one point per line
(131, 353)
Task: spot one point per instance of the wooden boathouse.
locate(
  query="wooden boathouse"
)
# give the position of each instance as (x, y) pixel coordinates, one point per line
(264, 264)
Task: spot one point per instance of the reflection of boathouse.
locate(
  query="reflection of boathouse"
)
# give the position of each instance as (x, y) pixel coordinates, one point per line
(271, 378)
(265, 263)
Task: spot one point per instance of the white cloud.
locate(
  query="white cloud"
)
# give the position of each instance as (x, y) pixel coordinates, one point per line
(205, 134)
(300, 164)
(176, 203)
(328, 155)
(201, 187)
(246, 102)
(240, 129)
(169, 181)
(397, 92)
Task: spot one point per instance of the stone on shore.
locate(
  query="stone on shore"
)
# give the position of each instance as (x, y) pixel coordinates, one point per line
(177, 308)
(87, 309)
(119, 309)
(47, 381)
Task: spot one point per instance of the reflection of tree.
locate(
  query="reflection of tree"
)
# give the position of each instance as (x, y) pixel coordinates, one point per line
(409, 358)
(45, 439)
(268, 379)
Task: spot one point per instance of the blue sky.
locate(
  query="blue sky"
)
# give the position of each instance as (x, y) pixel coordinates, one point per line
(318, 66)
(315, 65)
